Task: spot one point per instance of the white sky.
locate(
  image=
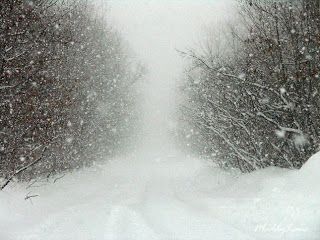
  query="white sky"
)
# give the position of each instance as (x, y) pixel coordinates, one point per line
(154, 29)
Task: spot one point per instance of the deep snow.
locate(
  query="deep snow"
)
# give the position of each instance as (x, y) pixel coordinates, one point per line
(160, 194)
(166, 196)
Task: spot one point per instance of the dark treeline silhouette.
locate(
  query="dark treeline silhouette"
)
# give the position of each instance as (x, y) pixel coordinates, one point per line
(252, 100)
(66, 87)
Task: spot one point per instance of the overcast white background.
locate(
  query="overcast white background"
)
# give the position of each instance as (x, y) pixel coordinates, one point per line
(154, 30)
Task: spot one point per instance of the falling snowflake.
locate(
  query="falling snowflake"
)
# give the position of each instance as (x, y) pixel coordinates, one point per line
(69, 140)
(300, 140)
(280, 133)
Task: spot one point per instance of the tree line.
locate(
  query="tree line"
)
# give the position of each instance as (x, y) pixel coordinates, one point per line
(66, 87)
(251, 93)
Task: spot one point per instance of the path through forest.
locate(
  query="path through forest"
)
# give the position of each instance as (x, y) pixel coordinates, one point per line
(158, 193)
(164, 197)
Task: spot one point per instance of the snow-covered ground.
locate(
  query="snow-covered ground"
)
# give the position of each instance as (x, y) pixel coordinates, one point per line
(163, 194)
(166, 196)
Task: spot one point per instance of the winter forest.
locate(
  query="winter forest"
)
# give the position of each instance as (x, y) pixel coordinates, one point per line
(159, 120)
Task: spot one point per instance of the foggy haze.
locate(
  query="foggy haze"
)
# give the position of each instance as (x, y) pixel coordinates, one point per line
(219, 138)
(155, 30)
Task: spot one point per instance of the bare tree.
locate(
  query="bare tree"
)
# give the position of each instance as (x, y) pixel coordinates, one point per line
(66, 84)
(257, 104)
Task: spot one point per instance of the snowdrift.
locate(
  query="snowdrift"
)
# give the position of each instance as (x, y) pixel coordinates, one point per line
(164, 198)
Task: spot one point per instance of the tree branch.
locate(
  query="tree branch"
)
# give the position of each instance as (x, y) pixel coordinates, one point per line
(23, 169)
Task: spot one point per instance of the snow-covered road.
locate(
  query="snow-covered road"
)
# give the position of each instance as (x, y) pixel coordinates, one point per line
(162, 197)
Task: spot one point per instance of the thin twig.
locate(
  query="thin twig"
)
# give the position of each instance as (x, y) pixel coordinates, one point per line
(23, 169)
(58, 178)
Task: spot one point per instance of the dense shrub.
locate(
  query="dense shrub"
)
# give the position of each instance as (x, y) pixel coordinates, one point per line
(253, 102)
(66, 86)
